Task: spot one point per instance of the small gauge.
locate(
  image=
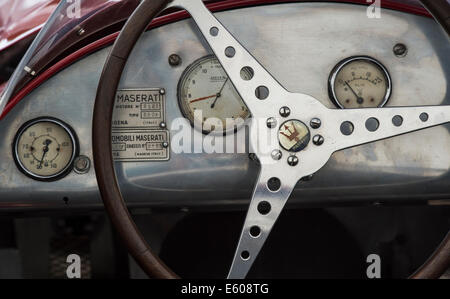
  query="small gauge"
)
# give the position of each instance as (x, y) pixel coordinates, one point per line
(359, 82)
(44, 149)
(208, 97)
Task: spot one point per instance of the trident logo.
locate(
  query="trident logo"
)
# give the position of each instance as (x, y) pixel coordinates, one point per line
(296, 133)
(293, 134)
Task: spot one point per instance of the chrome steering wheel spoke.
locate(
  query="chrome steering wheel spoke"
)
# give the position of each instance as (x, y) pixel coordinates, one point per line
(352, 127)
(268, 200)
(264, 97)
(261, 91)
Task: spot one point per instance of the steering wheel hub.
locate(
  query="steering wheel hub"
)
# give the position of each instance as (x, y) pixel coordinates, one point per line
(294, 135)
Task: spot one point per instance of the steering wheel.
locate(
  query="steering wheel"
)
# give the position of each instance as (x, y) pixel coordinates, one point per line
(314, 133)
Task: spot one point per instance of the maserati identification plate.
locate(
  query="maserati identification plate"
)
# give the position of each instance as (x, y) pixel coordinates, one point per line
(137, 146)
(136, 126)
(139, 108)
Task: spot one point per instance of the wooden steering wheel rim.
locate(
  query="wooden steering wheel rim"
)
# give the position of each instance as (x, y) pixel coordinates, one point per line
(112, 198)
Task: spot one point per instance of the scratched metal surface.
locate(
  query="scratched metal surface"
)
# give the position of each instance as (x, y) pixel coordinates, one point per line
(299, 44)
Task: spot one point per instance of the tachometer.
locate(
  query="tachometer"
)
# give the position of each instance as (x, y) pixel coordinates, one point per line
(44, 149)
(207, 96)
(359, 82)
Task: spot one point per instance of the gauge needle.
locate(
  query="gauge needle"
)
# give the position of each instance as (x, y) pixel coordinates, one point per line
(204, 98)
(46, 143)
(359, 99)
(219, 93)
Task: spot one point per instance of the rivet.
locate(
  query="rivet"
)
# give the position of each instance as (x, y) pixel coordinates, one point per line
(292, 160)
(285, 111)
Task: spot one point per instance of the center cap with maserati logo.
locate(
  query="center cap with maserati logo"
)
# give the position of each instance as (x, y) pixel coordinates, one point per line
(293, 135)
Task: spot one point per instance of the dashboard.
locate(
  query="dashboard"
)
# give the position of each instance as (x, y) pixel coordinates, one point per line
(173, 90)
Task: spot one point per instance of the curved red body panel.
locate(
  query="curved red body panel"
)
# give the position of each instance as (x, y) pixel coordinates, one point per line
(19, 19)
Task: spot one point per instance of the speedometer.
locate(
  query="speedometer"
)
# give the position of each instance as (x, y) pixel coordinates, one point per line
(207, 96)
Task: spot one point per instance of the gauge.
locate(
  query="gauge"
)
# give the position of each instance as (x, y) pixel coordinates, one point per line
(359, 82)
(208, 97)
(45, 148)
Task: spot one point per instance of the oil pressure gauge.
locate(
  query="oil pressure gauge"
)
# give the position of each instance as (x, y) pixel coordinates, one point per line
(44, 149)
(359, 82)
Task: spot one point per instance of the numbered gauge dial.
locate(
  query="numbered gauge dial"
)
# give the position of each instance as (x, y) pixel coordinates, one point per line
(208, 98)
(360, 82)
(45, 149)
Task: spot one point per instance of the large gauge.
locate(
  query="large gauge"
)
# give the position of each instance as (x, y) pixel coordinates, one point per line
(359, 82)
(44, 149)
(208, 97)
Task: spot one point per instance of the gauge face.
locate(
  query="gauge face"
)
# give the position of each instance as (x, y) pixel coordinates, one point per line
(360, 82)
(45, 149)
(208, 97)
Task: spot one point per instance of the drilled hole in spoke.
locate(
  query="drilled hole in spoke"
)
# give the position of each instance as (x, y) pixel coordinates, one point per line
(255, 231)
(245, 255)
(347, 128)
(264, 207)
(247, 73)
(372, 124)
(214, 31)
(274, 184)
(262, 92)
(397, 120)
(423, 116)
(230, 52)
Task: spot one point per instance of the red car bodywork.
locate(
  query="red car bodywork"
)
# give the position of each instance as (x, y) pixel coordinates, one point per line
(19, 19)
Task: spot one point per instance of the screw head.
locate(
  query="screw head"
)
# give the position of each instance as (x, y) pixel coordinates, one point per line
(162, 125)
(81, 32)
(174, 60)
(315, 123)
(276, 155)
(162, 91)
(165, 144)
(82, 164)
(400, 50)
(29, 71)
(292, 160)
(285, 111)
(271, 123)
(318, 139)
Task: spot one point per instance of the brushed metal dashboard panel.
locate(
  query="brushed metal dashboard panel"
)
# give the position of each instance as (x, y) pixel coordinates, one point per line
(299, 44)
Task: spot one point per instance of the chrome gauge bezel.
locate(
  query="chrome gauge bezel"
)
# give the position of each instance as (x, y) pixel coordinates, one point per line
(66, 170)
(336, 70)
(191, 67)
